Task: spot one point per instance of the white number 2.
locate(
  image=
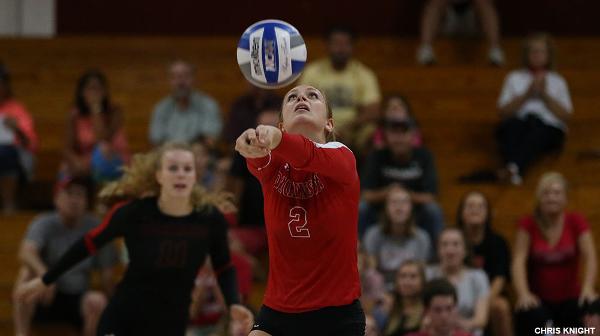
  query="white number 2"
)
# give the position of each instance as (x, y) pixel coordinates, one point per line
(297, 223)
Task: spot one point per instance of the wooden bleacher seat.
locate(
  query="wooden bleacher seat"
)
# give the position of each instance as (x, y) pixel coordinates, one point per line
(453, 101)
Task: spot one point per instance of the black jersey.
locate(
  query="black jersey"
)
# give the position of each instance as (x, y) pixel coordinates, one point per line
(165, 252)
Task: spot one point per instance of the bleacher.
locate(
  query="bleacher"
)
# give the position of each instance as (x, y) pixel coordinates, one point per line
(453, 101)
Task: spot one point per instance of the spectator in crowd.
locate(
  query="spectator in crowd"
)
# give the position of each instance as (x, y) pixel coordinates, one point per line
(248, 195)
(547, 252)
(371, 328)
(204, 163)
(96, 144)
(397, 238)
(396, 108)
(350, 87)
(472, 285)
(186, 113)
(487, 250)
(245, 110)
(372, 283)
(441, 304)
(535, 107)
(18, 142)
(406, 310)
(399, 162)
(208, 306)
(433, 13)
(71, 300)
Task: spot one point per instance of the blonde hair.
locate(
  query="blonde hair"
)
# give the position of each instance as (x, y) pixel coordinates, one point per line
(546, 180)
(139, 180)
(550, 49)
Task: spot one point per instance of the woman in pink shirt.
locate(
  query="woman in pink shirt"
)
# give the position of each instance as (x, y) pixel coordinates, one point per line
(96, 143)
(18, 142)
(547, 251)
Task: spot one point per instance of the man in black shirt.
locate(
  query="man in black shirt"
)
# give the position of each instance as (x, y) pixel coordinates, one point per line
(412, 168)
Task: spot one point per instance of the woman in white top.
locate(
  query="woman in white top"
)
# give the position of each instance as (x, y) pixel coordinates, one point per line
(534, 106)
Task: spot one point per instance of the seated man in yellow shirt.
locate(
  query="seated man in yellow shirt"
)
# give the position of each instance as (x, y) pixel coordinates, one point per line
(350, 87)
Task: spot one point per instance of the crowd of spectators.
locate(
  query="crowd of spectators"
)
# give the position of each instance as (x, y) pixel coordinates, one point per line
(420, 275)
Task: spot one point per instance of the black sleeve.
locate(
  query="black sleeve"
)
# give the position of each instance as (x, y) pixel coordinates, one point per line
(370, 175)
(111, 227)
(430, 178)
(221, 259)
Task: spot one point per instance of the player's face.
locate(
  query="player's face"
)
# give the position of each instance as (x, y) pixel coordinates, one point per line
(553, 198)
(177, 173)
(408, 280)
(538, 54)
(442, 312)
(398, 206)
(305, 112)
(182, 79)
(451, 248)
(475, 210)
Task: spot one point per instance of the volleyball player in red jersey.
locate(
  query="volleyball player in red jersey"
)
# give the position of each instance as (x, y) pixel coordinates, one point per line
(311, 192)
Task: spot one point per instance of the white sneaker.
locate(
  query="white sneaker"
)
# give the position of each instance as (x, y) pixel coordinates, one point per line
(425, 55)
(515, 176)
(496, 56)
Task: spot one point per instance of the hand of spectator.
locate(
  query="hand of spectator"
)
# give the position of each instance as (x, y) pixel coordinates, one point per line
(587, 295)
(30, 290)
(539, 83)
(247, 145)
(527, 301)
(11, 123)
(47, 296)
(241, 316)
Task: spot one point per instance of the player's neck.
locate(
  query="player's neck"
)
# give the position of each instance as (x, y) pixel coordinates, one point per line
(175, 206)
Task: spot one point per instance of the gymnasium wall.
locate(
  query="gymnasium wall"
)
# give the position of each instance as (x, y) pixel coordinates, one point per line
(397, 17)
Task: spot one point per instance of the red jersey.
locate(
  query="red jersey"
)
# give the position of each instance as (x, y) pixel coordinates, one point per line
(553, 270)
(311, 194)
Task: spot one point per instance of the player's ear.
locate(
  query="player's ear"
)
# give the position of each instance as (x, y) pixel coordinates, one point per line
(329, 125)
(280, 126)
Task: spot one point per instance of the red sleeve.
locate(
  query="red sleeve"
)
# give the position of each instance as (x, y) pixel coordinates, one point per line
(332, 159)
(111, 227)
(25, 124)
(526, 224)
(578, 222)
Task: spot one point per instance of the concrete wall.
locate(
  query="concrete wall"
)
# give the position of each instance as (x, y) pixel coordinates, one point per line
(21, 18)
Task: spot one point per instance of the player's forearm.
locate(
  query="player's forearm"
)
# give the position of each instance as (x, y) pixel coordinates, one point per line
(76, 253)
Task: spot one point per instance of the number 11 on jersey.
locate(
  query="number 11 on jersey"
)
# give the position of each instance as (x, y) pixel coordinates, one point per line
(298, 223)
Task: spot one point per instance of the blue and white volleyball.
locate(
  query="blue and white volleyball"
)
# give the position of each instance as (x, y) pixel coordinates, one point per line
(271, 54)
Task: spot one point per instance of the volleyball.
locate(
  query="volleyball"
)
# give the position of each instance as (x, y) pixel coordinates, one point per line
(271, 54)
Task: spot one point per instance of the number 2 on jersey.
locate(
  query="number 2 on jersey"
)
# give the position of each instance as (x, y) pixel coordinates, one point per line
(298, 223)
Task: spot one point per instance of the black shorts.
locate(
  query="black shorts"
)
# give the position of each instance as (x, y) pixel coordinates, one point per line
(348, 320)
(65, 308)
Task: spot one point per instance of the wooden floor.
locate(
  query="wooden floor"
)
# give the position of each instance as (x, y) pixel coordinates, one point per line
(454, 103)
